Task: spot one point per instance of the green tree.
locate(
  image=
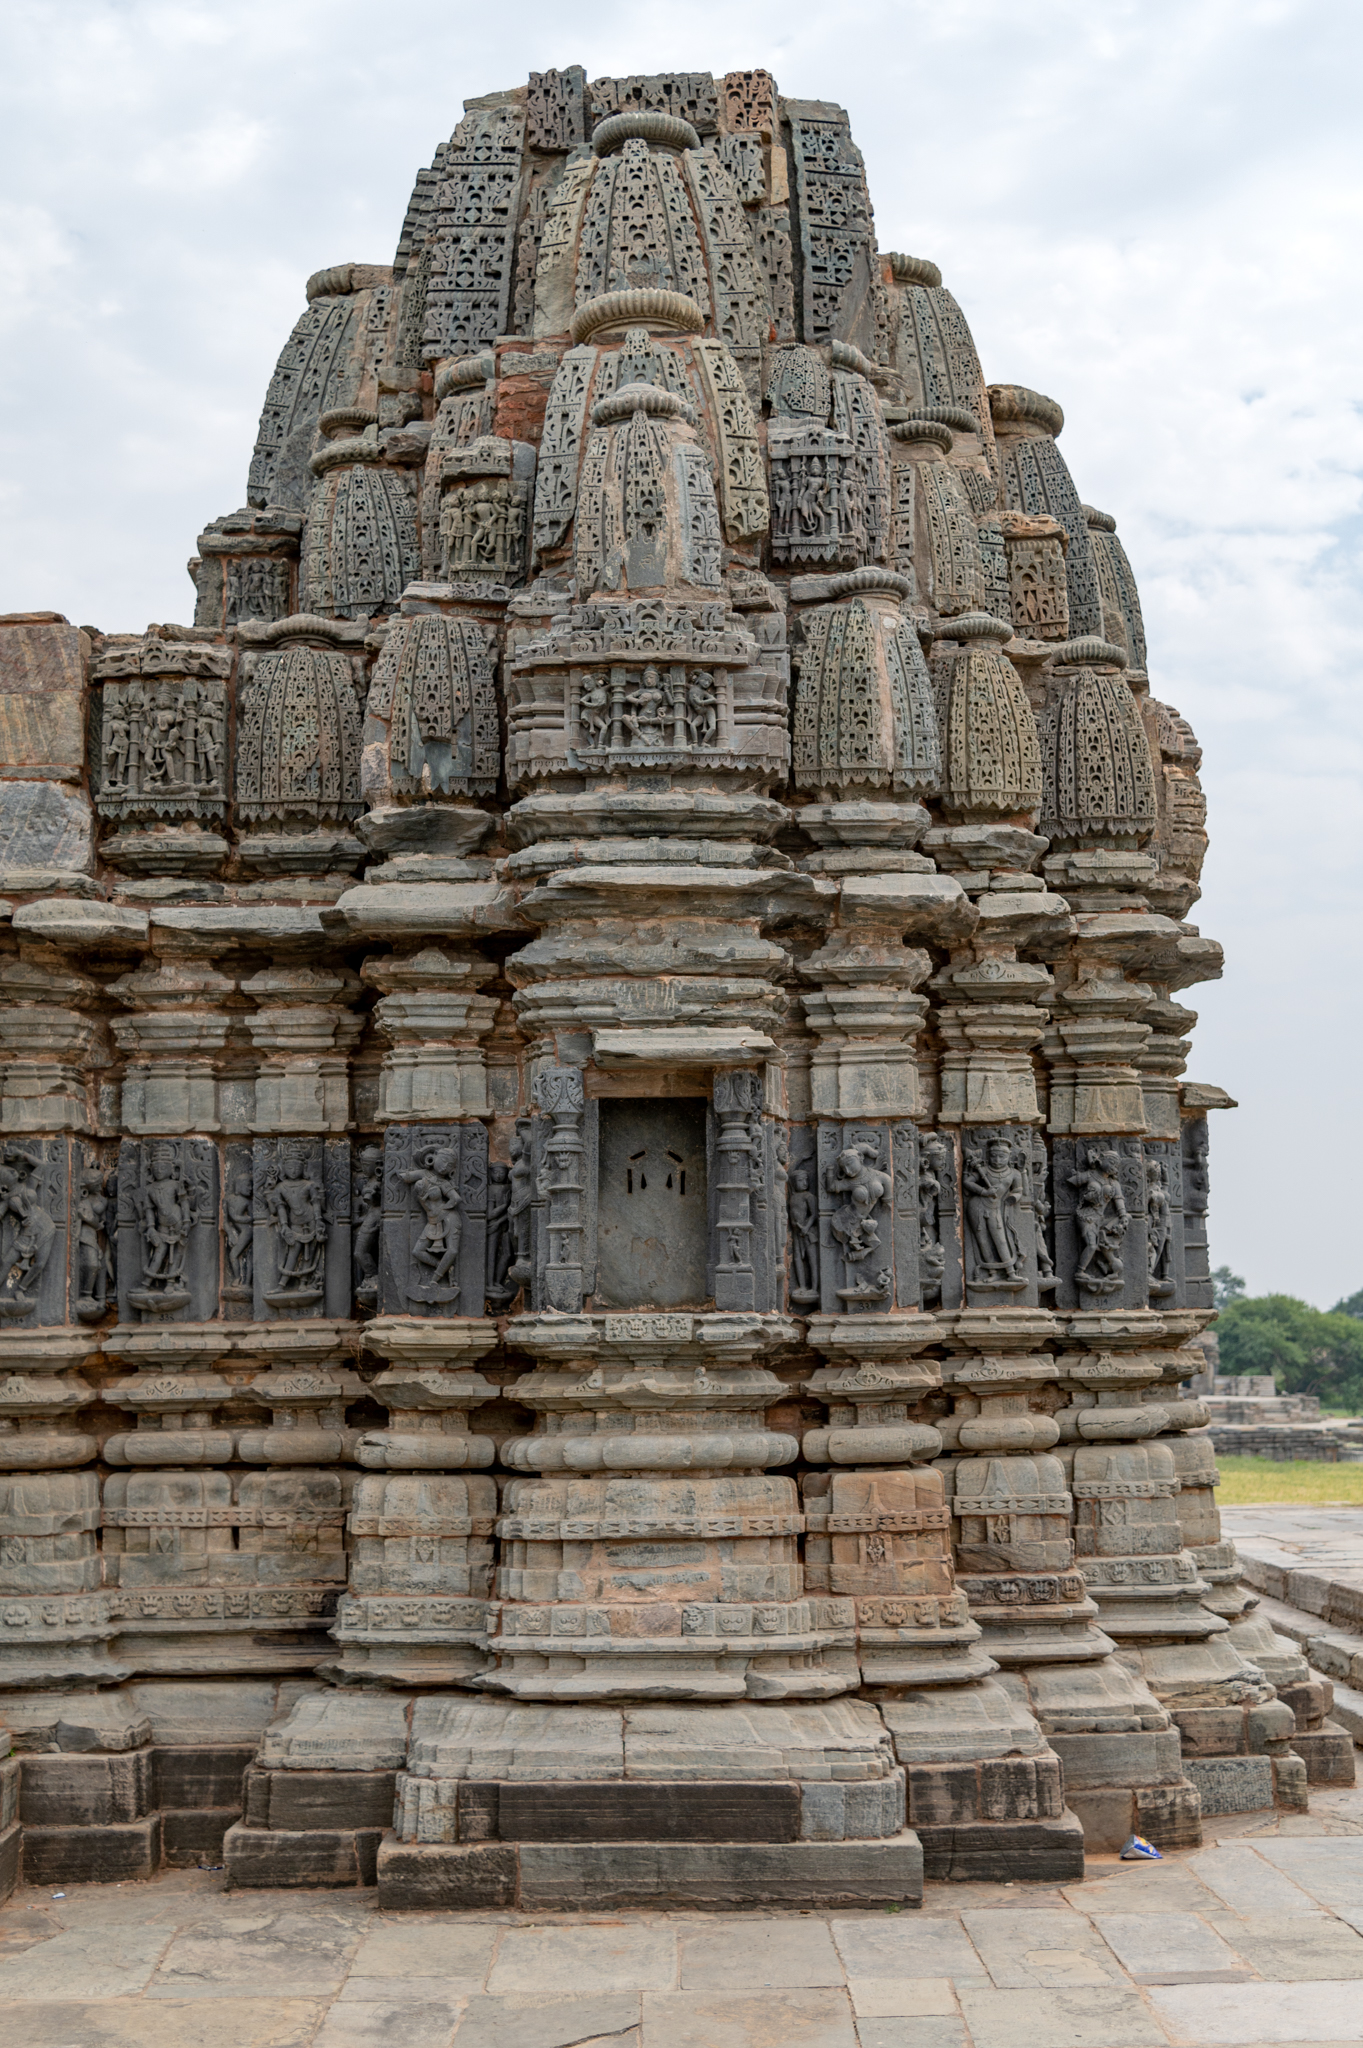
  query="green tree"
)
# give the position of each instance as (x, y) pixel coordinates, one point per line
(1352, 1306)
(1226, 1286)
(1307, 1351)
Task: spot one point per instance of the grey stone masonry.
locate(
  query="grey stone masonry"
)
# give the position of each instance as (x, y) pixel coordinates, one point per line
(602, 1231)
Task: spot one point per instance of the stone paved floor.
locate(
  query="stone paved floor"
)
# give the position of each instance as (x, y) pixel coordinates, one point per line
(1256, 1938)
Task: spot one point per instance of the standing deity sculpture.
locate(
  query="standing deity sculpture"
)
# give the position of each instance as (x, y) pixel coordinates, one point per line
(295, 1206)
(167, 1210)
(1101, 1218)
(994, 1190)
(434, 1183)
(803, 1213)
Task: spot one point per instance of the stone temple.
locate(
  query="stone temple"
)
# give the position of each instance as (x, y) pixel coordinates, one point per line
(601, 1234)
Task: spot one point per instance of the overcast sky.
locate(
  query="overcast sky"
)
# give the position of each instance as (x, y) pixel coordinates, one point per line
(1150, 209)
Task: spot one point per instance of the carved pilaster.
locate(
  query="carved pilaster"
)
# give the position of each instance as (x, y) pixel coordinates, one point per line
(433, 1021)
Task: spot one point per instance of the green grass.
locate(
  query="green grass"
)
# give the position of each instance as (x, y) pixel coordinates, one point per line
(1245, 1482)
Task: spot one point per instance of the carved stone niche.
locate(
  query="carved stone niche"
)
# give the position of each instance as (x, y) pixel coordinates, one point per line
(301, 1236)
(484, 512)
(247, 567)
(298, 745)
(652, 1225)
(999, 1234)
(650, 684)
(433, 1258)
(168, 1237)
(864, 1178)
(1099, 1194)
(161, 755)
(431, 719)
(817, 513)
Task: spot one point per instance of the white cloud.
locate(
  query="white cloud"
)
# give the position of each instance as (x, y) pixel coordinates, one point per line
(1150, 210)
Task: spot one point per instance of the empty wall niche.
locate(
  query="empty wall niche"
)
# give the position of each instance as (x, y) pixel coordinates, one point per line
(652, 1214)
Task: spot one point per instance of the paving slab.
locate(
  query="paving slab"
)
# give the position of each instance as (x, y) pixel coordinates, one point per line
(1051, 1951)
(1172, 1948)
(901, 1997)
(544, 2020)
(1142, 1888)
(787, 1954)
(131, 2023)
(1105, 2016)
(426, 1945)
(1253, 2015)
(85, 1963)
(767, 2019)
(615, 1957)
(392, 2023)
(1296, 1947)
(1239, 1877)
(931, 2032)
(296, 1954)
(1331, 1871)
(892, 1945)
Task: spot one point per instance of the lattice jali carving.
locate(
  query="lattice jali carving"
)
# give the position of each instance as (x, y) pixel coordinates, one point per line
(739, 290)
(935, 355)
(647, 514)
(639, 230)
(842, 292)
(1099, 778)
(298, 737)
(555, 113)
(991, 755)
(691, 95)
(856, 414)
(1036, 479)
(776, 261)
(1122, 621)
(864, 716)
(309, 377)
(560, 450)
(749, 102)
(360, 548)
(742, 478)
(435, 684)
(468, 290)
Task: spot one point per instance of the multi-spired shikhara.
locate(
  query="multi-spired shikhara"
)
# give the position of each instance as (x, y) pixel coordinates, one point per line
(593, 1131)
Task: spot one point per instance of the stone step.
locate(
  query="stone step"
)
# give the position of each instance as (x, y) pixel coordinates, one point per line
(1335, 1654)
